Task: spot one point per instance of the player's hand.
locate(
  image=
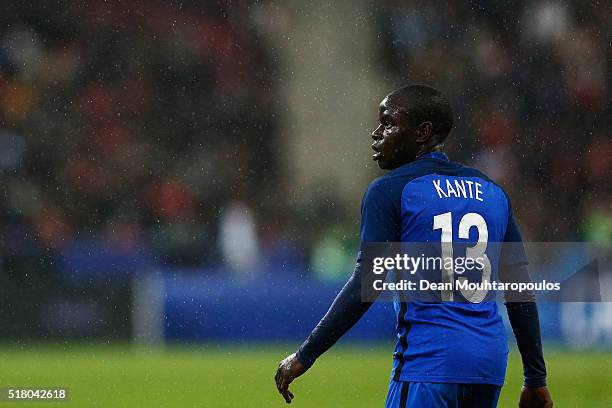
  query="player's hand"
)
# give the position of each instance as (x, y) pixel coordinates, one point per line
(535, 398)
(288, 370)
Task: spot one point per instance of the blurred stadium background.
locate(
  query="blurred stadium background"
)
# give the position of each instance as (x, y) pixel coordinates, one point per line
(182, 180)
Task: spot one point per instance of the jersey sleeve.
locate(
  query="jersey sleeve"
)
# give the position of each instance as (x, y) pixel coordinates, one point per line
(521, 306)
(378, 224)
(380, 219)
(512, 251)
(513, 263)
(379, 214)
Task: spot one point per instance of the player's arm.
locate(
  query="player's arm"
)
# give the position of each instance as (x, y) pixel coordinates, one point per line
(378, 224)
(344, 312)
(524, 319)
(525, 324)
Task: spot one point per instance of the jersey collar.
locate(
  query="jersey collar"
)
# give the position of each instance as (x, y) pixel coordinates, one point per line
(434, 155)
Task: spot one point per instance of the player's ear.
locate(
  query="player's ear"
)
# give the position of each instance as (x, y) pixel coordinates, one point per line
(424, 132)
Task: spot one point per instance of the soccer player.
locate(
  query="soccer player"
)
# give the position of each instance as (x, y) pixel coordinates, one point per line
(448, 354)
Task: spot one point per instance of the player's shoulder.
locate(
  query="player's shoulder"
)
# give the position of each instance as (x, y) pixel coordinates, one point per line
(468, 171)
(383, 192)
(380, 183)
(392, 183)
(379, 188)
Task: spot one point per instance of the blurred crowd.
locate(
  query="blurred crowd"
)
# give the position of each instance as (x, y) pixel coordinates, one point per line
(150, 130)
(129, 128)
(531, 87)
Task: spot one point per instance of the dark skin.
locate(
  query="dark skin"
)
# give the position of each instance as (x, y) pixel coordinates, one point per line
(398, 141)
(535, 398)
(288, 370)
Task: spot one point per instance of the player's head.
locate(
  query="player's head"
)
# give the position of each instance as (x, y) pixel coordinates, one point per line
(413, 120)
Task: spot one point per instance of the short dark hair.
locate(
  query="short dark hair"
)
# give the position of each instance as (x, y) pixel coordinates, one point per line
(423, 103)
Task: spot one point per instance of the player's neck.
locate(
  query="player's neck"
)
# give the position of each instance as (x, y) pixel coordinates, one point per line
(429, 149)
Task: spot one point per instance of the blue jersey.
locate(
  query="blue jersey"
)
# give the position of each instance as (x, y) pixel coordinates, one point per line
(435, 200)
